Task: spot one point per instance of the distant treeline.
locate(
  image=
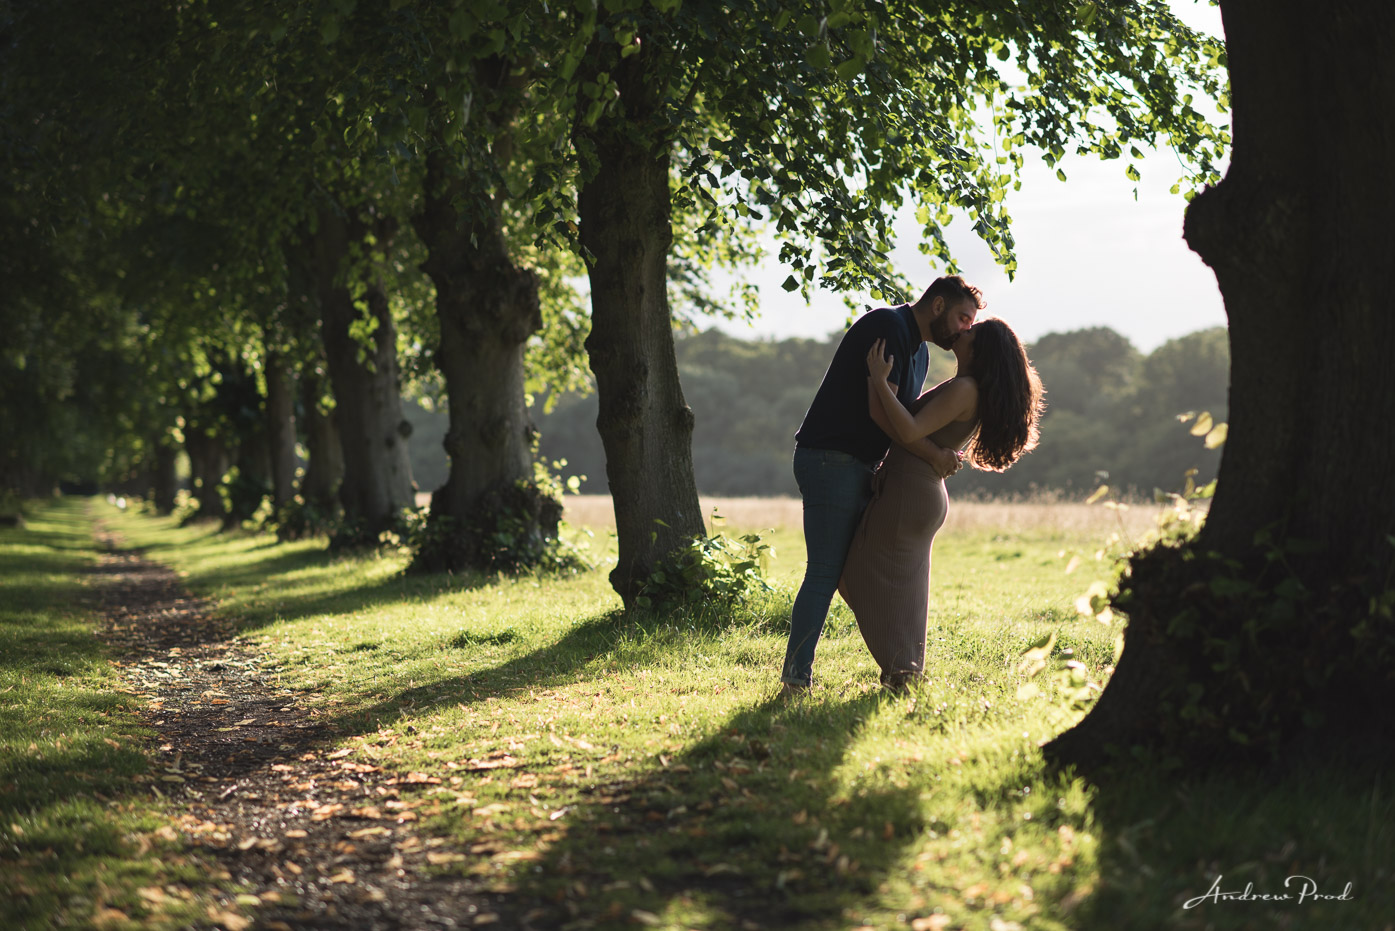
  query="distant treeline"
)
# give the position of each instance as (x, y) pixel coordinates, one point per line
(1110, 409)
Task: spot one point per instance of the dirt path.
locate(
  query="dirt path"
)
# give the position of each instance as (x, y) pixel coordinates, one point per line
(320, 840)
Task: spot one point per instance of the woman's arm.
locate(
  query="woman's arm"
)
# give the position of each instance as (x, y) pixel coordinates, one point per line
(956, 402)
(944, 461)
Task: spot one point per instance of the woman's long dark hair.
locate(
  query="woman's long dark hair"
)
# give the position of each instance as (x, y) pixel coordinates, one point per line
(1009, 397)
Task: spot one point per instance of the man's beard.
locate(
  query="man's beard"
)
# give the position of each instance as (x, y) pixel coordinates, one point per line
(940, 333)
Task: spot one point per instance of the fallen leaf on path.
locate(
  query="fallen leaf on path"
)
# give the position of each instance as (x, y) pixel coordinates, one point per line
(369, 832)
(351, 767)
(499, 761)
(930, 923)
(230, 920)
(368, 813)
(343, 876)
(109, 917)
(414, 779)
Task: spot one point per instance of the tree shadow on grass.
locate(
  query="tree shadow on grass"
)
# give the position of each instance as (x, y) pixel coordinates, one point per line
(749, 827)
(304, 584)
(589, 649)
(1167, 840)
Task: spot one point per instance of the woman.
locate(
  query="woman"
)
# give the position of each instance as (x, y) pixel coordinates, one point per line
(993, 404)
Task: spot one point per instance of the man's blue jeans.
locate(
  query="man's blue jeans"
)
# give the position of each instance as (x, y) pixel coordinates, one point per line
(836, 488)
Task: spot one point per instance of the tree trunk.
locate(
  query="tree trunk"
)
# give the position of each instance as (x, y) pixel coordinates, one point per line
(645, 425)
(324, 467)
(166, 480)
(368, 408)
(280, 427)
(1297, 625)
(487, 308)
(208, 462)
(252, 482)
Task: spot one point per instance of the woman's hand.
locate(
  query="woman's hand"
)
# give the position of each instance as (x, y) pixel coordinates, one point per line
(878, 367)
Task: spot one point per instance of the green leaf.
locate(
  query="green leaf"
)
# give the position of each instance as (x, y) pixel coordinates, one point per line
(849, 69)
(791, 283)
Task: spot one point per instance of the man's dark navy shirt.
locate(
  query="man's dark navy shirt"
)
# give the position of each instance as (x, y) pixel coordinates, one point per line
(838, 418)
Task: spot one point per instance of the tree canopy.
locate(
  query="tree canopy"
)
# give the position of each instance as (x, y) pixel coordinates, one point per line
(259, 190)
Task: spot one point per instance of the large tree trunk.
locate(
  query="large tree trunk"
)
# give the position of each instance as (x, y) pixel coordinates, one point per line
(208, 462)
(324, 466)
(1298, 621)
(487, 308)
(166, 480)
(644, 423)
(280, 427)
(368, 408)
(249, 488)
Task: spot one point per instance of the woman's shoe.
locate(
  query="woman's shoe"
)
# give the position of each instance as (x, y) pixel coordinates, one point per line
(901, 680)
(792, 690)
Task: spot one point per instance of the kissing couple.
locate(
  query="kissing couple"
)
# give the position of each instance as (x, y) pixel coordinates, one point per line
(872, 456)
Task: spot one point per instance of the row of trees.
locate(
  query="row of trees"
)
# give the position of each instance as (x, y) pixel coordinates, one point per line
(241, 212)
(1110, 409)
(206, 202)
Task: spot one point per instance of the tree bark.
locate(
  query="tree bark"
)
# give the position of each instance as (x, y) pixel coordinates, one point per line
(644, 422)
(208, 462)
(280, 427)
(166, 481)
(1299, 237)
(487, 308)
(249, 490)
(368, 407)
(324, 467)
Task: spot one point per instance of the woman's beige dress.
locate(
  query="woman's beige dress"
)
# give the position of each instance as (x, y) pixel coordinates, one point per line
(886, 579)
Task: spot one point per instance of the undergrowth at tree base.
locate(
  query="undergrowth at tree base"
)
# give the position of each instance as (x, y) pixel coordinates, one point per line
(511, 529)
(1252, 655)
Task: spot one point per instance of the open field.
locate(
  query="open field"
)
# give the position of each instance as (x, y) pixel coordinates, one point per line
(1043, 513)
(561, 763)
(1011, 516)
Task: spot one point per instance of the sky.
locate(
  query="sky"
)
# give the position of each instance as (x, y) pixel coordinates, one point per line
(1088, 254)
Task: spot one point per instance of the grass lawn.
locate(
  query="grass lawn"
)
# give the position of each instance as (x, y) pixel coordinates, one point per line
(80, 845)
(601, 769)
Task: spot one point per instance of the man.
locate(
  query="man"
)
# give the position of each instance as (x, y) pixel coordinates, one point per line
(839, 445)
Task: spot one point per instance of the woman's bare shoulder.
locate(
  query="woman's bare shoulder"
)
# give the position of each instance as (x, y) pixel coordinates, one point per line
(959, 392)
(964, 390)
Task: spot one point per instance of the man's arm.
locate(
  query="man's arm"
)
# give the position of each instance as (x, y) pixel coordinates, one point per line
(944, 461)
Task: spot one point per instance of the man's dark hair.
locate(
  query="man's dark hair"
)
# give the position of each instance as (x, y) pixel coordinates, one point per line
(954, 289)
